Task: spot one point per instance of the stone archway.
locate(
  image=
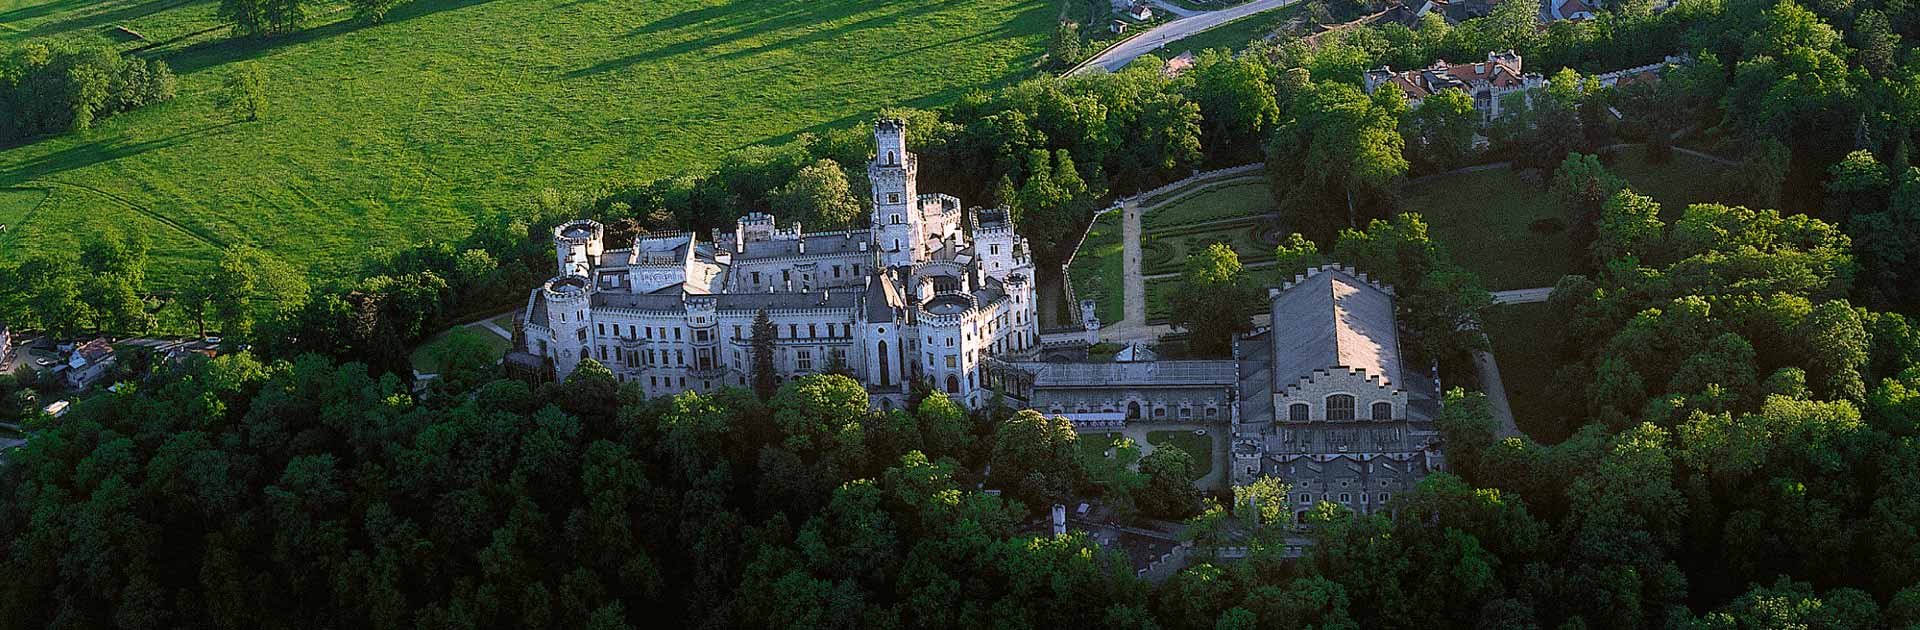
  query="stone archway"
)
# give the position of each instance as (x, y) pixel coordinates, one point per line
(1133, 410)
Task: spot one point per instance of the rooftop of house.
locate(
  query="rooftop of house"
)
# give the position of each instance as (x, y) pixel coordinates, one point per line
(1498, 71)
(93, 352)
(1333, 318)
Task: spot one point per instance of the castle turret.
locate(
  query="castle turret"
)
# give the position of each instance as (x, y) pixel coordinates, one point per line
(568, 299)
(896, 212)
(577, 245)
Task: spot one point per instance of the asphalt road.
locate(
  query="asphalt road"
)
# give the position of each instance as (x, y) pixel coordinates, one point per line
(1119, 56)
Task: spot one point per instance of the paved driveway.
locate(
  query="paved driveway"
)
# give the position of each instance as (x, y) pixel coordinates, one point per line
(1118, 57)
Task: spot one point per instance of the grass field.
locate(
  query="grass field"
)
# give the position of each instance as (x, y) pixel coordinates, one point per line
(1199, 446)
(377, 136)
(424, 362)
(1486, 218)
(15, 206)
(1525, 342)
(1093, 446)
(1097, 269)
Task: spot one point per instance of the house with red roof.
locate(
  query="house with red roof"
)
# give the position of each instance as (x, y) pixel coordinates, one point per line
(1488, 82)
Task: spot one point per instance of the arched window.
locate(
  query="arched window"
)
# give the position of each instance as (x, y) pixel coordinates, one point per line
(1297, 412)
(953, 384)
(1339, 407)
(891, 159)
(886, 374)
(1383, 411)
(886, 405)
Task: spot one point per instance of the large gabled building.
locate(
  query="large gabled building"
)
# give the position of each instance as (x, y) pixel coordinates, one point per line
(1329, 402)
(1488, 83)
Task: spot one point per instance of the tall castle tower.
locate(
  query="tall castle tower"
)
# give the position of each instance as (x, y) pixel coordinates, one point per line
(896, 205)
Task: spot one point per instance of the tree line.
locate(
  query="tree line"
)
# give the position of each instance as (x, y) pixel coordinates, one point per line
(47, 89)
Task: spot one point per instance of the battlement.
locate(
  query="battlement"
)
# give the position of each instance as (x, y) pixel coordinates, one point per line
(1312, 272)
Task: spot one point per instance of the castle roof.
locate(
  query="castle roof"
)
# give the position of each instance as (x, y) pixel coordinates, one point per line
(1332, 318)
(1498, 71)
(1154, 373)
(830, 243)
(883, 298)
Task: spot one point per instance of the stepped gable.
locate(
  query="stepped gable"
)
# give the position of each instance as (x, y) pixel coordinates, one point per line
(1332, 318)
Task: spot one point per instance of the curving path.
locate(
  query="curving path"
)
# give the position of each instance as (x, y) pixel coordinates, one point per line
(1119, 56)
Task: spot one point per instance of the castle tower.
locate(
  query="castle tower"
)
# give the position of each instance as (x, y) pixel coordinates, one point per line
(569, 309)
(577, 244)
(896, 206)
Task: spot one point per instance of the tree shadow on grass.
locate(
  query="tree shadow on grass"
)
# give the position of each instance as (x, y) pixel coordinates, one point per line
(118, 15)
(202, 55)
(92, 153)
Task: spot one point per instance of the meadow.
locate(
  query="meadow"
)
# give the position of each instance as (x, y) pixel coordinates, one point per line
(377, 136)
(1513, 234)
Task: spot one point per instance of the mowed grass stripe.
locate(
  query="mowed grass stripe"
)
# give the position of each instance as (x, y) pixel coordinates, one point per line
(384, 135)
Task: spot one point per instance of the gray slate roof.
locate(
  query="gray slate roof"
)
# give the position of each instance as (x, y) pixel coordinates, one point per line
(820, 245)
(1334, 319)
(1156, 373)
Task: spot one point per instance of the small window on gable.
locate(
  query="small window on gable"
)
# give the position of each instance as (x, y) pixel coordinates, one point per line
(1383, 411)
(1340, 407)
(893, 198)
(1297, 412)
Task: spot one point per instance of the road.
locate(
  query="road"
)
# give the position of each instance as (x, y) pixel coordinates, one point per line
(1523, 296)
(1119, 56)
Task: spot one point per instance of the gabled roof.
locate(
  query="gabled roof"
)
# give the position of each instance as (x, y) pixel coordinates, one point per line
(1332, 318)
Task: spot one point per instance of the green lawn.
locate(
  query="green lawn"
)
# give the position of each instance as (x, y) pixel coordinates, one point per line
(1199, 446)
(1525, 343)
(1093, 446)
(377, 136)
(1247, 198)
(1097, 269)
(505, 322)
(1489, 219)
(15, 205)
(424, 362)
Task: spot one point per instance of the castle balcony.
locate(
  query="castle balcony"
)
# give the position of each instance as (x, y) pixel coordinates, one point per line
(632, 343)
(716, 371)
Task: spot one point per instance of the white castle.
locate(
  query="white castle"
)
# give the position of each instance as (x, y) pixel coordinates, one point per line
(916, 297)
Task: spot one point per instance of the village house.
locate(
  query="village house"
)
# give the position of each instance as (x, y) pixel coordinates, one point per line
(1140, 11)
(1488, 82)
(89, 363)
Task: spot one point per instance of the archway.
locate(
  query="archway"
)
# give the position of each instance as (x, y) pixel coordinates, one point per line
(1133, 410)
(953, 384)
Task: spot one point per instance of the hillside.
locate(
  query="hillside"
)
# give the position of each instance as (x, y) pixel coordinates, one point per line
(378, 135)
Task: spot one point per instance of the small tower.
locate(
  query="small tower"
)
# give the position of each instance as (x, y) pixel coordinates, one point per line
(577, 244)
(896, 211)
(569, 300)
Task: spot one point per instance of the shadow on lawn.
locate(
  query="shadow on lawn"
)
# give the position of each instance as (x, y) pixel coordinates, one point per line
(118, 15)
(203, 55)
(97, 152)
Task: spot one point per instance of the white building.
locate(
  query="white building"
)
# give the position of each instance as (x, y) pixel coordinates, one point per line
(1487, 82)
(927, 293)
(89, 363)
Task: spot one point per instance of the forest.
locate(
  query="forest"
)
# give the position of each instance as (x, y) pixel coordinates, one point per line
(1743, 405)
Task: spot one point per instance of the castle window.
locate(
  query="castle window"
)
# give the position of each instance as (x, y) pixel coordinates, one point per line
(893, 198)
(891, 159)
(993, 249)
(563, 318)
(793, 331)
(953, 384)
(736, 331)
(803, 360)
(1346, 497)
(836, 271)
(953, 361)
(856, 269)
(1383, 411)
(630, 332)
(838, 357)
(812, 331)
(1384, 496)
(676, 334)
(600, 329)
(1339, 407)
(786, 275)
(1306, 498)
(895, 219)
(1297, 412)
(756, 278)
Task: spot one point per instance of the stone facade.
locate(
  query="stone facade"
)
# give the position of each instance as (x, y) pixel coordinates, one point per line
(1328, 402)
(915, 297)
(1488, 83)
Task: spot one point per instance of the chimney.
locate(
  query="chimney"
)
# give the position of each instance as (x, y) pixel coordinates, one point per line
(803, 244)
(1059, 520)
